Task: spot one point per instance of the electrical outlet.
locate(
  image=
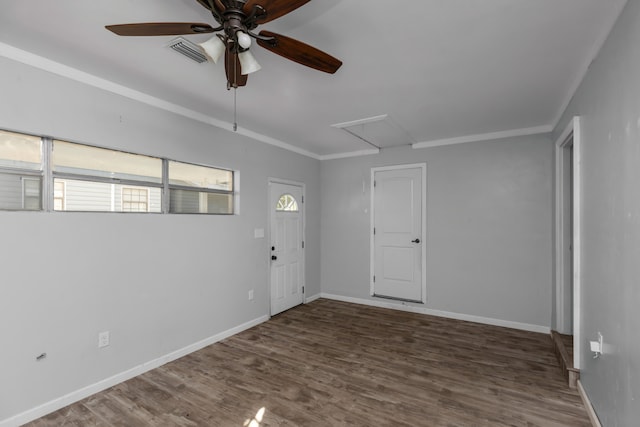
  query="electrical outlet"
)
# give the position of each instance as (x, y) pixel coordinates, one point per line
(251, 295)
(103, 339)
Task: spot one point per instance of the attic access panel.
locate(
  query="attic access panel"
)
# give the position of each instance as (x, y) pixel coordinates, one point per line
(379, 131)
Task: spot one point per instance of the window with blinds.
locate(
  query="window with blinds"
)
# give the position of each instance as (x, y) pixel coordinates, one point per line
(84, 178)
(91, 179)
(200, 189)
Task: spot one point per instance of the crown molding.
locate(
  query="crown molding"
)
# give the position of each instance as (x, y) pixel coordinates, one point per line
(350, 154)
(36, 61)
(485, 136)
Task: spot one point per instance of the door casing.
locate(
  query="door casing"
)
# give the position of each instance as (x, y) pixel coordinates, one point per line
(571, 134)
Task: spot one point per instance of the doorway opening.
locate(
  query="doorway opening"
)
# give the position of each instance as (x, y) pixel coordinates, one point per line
(567, 317)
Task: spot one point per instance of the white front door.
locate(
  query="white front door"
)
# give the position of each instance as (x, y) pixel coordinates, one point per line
(287, 260)
(398, 219)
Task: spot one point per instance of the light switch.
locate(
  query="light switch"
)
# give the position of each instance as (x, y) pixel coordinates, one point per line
(258, 233)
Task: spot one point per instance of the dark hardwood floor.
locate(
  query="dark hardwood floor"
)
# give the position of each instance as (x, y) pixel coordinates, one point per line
(330, 363)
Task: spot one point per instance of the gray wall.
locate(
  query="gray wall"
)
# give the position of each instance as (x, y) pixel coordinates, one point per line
(608, 101)
(157, 282)
(489, 219)
(489, 246)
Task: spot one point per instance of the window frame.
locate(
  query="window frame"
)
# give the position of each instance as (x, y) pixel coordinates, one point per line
(48, 177)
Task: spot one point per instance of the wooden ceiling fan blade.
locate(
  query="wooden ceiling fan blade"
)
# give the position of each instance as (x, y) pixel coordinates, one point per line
(300, 52)
(274, 8)
(235, 78)
(160, 29)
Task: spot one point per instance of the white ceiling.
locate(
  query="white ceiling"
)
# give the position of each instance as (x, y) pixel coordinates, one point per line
(449, 70)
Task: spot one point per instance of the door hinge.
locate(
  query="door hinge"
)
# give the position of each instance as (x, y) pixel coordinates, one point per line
(374, 279)
(303, 289)
(302, 198)
(303, 244)
(374, 230)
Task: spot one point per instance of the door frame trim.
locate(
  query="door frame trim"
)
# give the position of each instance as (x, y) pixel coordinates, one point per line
(272, 180)
(571, 132)
(423, 237)
(561, 157)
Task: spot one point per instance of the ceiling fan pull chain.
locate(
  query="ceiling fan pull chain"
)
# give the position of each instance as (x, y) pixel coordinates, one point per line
(235, 92)
(235, 110)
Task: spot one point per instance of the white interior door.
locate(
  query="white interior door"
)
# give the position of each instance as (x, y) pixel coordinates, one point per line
(287, 257)
(398, 235)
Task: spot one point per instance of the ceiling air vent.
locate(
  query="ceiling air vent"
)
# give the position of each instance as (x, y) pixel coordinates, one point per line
(188, 49)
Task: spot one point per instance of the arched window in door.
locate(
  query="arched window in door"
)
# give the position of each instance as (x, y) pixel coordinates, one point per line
(287, 203)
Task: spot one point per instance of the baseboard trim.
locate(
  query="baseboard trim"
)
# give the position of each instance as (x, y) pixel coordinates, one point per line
(61, 402)
(312, 298)
(450, 315)
(595, 421)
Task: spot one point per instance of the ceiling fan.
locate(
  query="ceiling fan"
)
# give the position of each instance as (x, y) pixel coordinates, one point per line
(237, 19)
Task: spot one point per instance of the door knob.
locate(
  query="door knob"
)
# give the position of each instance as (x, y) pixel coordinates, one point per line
(273, 257)
(415, 241)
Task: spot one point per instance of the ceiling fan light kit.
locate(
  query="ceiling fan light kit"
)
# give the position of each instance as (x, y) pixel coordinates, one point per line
(236, 21)
(248, 63)
(243, 39)
(213, 48)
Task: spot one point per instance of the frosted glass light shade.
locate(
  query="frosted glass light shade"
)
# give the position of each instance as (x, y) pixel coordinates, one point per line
(248, 63)
(213, 48)
(243, 39)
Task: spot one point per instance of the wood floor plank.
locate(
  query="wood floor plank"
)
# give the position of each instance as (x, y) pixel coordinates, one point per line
(330, 363)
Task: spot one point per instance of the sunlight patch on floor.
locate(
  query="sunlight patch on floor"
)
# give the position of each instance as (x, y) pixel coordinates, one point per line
(257, 419)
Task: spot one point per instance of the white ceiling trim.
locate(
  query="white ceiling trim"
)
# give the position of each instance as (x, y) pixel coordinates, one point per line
(360, 121)
(582, 72)
(45, 64)
(451, 141)
(276, 142)
(485, 136)
(350, 154)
